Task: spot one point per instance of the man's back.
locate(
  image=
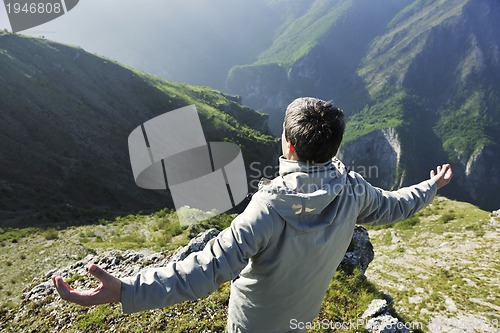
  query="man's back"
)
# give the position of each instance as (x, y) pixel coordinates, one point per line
(309, 213)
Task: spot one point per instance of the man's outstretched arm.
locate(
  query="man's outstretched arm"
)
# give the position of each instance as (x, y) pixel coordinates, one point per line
(196, 276)
(380, 207)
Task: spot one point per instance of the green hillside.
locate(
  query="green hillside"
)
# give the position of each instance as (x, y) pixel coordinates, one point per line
(64, 123)
(302, 34)
(426, 37)
(392, 53)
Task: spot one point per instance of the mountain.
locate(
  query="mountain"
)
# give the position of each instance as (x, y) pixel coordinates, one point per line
(418, 80)
(65, 117)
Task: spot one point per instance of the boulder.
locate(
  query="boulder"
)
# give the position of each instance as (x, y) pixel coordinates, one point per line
(379, 320)
(386, 324)
(196, 244)
(376, 307)
(359, 253)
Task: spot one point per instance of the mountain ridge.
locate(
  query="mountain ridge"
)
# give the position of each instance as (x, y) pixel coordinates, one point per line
(65, 120)
(428, 69)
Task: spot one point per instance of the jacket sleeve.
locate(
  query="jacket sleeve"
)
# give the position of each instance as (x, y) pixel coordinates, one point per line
(378, 206)
(200, 273)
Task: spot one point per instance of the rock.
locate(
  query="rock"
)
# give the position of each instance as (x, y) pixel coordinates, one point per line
(395, 237)
(153, 258)
(359, 253)
(118, 263)
(51, 272)
(386, 324)
(39, 291)
(379, 320)
(376, 307)
(388, 298)
(496, 213)
(115, 261)
(374, 152)
(132, 256)
(196, 244)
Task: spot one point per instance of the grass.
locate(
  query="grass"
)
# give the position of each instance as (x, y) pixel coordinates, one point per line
(347, 296)
(51, 234)
(391, 54)
(445, 259)
(222, 118)
(388, 113)
(403, 225)
(106, 112)
(446, 217)
(12, 235)
(31, 252)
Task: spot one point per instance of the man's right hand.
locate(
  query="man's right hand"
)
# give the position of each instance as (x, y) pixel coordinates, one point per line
(443, 175)
(109, 290)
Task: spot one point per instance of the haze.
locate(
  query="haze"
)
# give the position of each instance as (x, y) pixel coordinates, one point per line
(187, 41)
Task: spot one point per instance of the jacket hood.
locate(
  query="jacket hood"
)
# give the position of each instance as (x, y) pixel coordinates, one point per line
(303, 192)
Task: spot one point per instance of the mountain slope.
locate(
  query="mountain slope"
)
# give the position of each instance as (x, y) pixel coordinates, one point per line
(320, 61)
(427, 72)
(437, 266)
(65, 119)
(440, 266)
(450, 75)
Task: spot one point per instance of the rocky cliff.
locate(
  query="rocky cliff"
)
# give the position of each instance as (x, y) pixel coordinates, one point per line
(376, 156)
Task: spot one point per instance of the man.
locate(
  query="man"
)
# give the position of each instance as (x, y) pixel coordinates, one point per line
(283, 250)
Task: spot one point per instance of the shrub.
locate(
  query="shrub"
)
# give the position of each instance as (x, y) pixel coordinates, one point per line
(408, 223)
(447, 217)
(51, 234)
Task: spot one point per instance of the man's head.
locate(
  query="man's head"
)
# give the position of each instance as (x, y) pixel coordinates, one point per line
(312, 131)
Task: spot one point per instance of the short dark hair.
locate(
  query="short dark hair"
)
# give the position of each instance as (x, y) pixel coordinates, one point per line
(315, 128)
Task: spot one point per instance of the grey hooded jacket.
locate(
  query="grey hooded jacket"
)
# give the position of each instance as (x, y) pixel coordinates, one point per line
(282, 251)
